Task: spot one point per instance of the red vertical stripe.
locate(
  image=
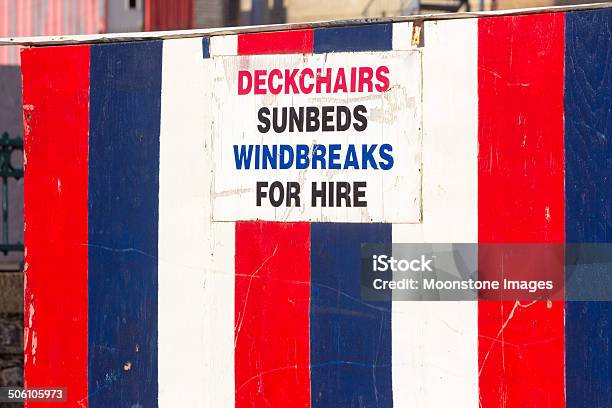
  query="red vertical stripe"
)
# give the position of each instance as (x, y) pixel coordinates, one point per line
(521, 199)
(281, 42)
(56, 118)
(272, 351)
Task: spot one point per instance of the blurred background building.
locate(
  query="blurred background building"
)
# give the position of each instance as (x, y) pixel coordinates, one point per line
(67, 17)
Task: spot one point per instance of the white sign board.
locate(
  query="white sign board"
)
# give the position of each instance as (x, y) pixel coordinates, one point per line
(325, 137)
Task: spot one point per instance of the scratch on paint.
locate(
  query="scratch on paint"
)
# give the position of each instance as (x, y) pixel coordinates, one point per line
(444, 322)
(237, 191)
(31, 317)
(350, 363)
(517, 304)
(34, 346)
(109, 379)
(315, 285)
(120, 250)
(26, 332)
(259, 375)
(105, 348)
(28, 109)
(380, 335)
(246, 298)
(496, 75)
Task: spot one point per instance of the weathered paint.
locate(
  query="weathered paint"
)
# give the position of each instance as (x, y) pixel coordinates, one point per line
(219, 308)
(350, 350)
(588, 197)
(432, 354)
(55, 192)
(520, 199)
(435, 344)
(205, 48)
(375, 37)
(290, 42)
(271, 323)
(123, 223)
(183, 229)
(223, 45)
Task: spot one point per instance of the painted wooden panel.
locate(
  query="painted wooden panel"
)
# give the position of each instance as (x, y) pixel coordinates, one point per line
(435, 344)
(171, 303)
(55, 96)
(350, 339)
(184, 231)
(272, 313)
(520, 199)
(588, 197)
(123, 223)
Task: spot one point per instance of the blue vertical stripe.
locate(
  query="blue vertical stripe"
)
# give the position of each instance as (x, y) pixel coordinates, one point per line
(373, 37)
(205, 47)
(125, 105)
(350, 339)
(588, 160)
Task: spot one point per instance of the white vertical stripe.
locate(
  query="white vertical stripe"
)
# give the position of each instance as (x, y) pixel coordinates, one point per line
(435, 344)
(402, 36)
(223, 45)
(218, 386)
(196, 256)
(183, 227)
(218, 300)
